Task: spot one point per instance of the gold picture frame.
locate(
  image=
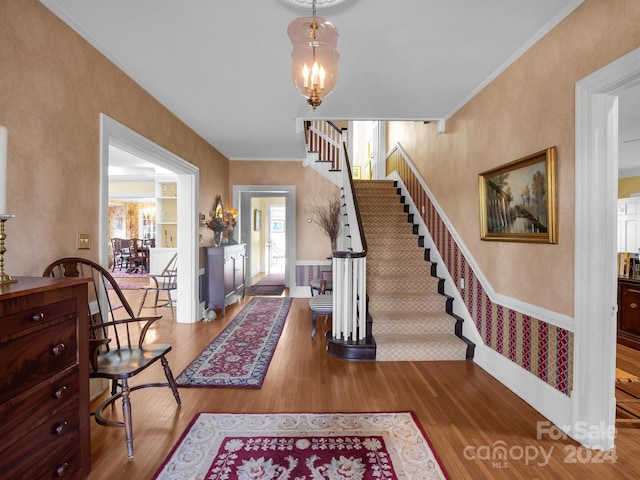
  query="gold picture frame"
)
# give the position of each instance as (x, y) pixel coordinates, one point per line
(518, 200)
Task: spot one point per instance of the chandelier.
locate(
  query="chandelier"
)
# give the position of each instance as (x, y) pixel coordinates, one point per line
(314, 68)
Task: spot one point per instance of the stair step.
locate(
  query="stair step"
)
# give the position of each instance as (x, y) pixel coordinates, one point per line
(383, 208)
(406, 302)
(400, 233)
(426, 347)
(397, 268)
(385, 223)
(379, 284)
(418, 323)
(415, 254)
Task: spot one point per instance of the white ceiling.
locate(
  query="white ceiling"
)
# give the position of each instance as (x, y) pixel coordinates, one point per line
(223, 66)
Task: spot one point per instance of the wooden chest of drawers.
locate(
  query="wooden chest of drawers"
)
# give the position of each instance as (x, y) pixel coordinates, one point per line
(44, 379)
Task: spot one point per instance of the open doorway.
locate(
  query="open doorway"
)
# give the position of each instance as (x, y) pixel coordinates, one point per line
(276, 240)
(265, 232)
(113, 133)
(595, 308)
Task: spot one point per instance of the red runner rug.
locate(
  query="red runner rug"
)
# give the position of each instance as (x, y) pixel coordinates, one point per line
(270, 285)
(240, 355)
(355, 446)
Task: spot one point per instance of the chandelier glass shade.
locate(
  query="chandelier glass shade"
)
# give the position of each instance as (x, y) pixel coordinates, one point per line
(315, 57)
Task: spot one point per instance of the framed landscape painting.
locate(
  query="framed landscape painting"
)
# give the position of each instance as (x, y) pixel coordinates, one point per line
(518, 200)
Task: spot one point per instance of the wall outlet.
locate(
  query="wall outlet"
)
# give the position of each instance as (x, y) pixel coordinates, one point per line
(83, 241)
(462, 284)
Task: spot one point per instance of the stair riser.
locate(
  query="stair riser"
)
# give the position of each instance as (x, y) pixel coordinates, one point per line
(417, 327)
(391, 234)
(379, 330)
(397, 268)
(380, 205)
(428, 303)
(417, 286)
(391, 255)
(385, 223)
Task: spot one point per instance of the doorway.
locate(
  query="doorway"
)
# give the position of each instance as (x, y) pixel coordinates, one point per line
(276, 241)
(595, 307)
(187, 182)
(244, 197)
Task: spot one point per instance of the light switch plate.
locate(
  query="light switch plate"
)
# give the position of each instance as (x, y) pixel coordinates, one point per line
(83, 241)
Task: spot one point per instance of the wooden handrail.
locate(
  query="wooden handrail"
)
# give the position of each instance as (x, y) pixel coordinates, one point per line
(363, 240)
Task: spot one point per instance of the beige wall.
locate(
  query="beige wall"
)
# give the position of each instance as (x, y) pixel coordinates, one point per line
(53, 87)
(627, 186)
(311, 242)
(526, 109)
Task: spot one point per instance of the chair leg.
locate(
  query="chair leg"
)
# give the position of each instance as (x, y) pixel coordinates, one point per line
(126, 413)
(144, 297)
(313, 324)
(171, 380)
(155, 303)
(171, 305)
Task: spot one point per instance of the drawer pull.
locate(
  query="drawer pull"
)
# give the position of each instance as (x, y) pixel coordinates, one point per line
(58, 349)
(634, 305)
(61, 469)
(37, 317)
(61, 392)
(60, 428)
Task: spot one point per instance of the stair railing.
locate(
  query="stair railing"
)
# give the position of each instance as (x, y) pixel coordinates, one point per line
(326, 139)
(349, 320)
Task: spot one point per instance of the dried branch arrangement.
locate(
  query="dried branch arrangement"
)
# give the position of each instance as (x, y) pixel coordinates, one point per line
(328, 217)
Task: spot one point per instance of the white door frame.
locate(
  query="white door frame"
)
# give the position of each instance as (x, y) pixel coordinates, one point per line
(114, 133)
(242, 195)
(596, 195)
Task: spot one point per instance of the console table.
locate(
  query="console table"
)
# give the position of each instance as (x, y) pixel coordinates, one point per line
(44, 379)
(224, 275)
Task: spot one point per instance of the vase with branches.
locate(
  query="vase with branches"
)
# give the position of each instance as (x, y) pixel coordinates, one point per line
(327, 215)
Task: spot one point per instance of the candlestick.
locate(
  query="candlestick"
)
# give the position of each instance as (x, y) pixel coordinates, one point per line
(4, 278)
(3, 169)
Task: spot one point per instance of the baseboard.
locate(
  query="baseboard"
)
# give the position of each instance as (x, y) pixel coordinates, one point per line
(302, 291)
(541, 396)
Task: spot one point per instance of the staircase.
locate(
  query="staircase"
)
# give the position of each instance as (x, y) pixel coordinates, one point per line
(412, 317)
(324, 142)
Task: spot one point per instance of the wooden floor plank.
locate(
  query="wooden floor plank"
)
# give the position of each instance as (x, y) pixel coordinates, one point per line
(461, 408)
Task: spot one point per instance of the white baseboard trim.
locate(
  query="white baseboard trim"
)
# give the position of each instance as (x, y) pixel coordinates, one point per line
(541, 396)
(302, 291)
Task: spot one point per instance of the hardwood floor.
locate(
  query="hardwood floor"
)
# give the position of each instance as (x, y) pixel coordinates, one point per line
(464, 411)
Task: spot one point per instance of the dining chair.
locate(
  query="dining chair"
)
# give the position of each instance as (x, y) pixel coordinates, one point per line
(137, 256)
(117, 347)
(120, 249)
(167, 281)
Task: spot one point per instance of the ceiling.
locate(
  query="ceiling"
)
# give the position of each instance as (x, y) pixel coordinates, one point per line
(223, 66)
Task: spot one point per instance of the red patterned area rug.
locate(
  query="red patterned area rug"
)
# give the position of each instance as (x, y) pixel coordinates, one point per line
(240, 355)
(131, 286)
(337, 446)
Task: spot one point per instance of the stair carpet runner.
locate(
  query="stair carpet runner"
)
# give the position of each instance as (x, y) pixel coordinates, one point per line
(410, 319)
